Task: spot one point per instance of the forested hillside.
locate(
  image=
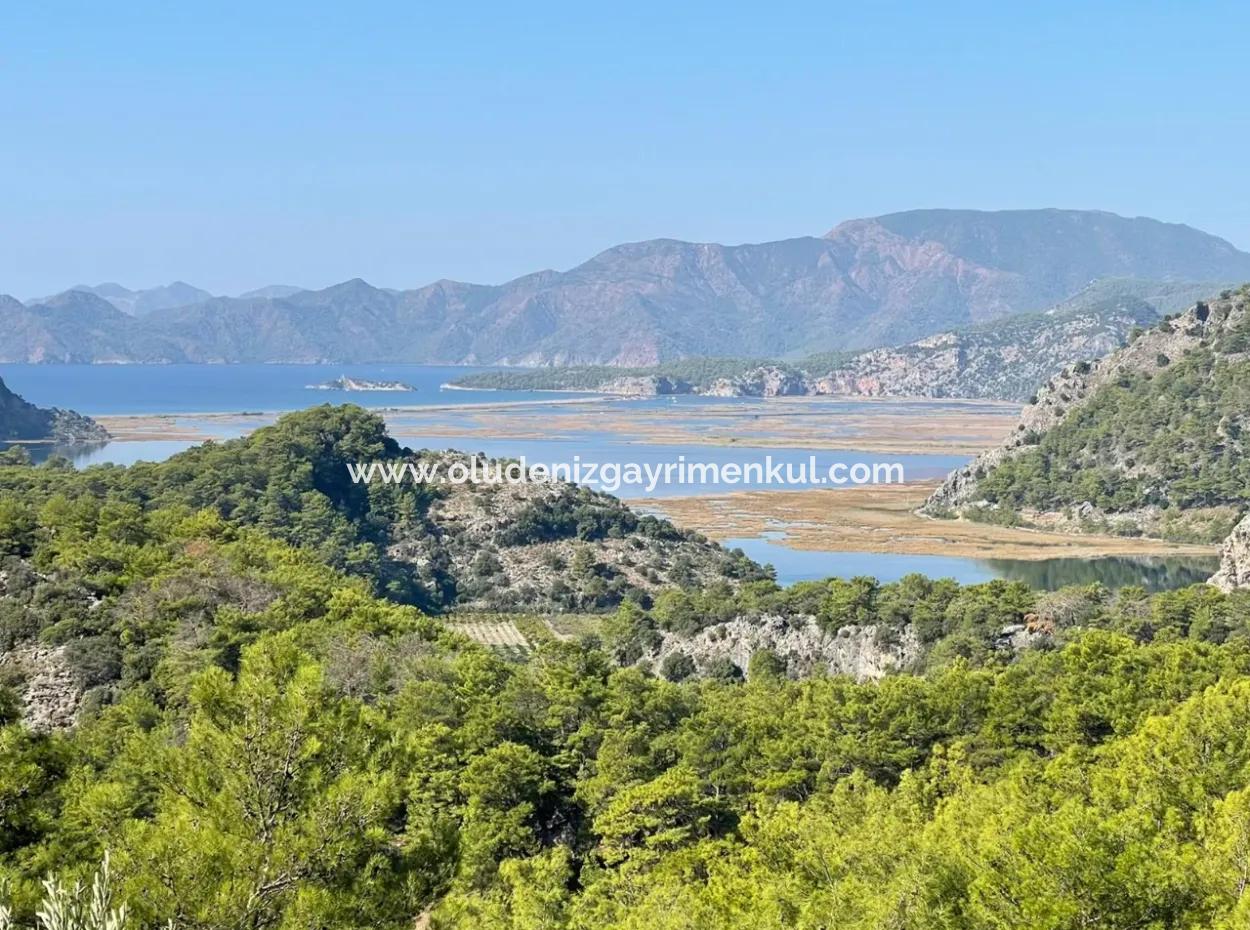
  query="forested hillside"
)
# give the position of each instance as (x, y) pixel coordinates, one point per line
(1150, 439)
(207, 675)
(263, 743)
(553, 545)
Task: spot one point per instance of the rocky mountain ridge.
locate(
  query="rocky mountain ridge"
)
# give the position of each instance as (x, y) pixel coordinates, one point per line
(867, 283)
(1005, 361)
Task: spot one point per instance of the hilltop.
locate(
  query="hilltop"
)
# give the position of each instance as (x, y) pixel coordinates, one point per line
(867, 283)
(502, 546)
(1149, 440)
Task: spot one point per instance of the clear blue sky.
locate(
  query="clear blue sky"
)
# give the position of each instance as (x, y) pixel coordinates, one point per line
(235, 145)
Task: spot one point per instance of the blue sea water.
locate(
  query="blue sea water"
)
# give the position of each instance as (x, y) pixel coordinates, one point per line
(97, 390)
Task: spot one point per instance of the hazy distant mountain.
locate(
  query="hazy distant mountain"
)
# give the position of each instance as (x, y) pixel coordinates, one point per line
(75, 326)
(867, 283)
(141, 303)
(272, 290)
(1110, 295)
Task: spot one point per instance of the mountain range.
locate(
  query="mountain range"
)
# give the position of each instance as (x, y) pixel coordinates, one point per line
(866, 283)
(1008, 359)
(142, 302)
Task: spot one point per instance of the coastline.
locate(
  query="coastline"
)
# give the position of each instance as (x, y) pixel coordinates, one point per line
(877, 519)
(883, 520)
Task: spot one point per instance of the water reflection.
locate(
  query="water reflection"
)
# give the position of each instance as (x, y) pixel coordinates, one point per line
(1154, 573)
(81, 455)
(1151, 573)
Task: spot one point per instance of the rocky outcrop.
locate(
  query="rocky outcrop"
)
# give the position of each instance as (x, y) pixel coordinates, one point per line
(344, 383)
(1007, 362)
(1234, 570)
(765, 381)
(23, 421)
(498, 542)
(645, 386)
(50, 692)
(71, 427)
(865, 653)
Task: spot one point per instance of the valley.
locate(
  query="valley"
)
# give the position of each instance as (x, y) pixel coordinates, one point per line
(803, 533)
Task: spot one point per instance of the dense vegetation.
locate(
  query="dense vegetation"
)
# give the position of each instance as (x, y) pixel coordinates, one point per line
(1150, 440)
(411, 541)
(267, 737)
(1146, 440)
(1170, 436)
(683, 374)
(281, 749)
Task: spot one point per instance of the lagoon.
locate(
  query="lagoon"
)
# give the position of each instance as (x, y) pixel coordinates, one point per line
(1152, 573)
(192, 391)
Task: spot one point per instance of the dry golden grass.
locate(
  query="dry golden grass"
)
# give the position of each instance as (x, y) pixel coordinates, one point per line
(894, 426)
(883, 519)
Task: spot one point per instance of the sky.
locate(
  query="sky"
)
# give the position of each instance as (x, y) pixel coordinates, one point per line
(237, 145)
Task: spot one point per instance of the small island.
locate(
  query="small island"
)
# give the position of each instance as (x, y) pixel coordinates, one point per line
(344, 383)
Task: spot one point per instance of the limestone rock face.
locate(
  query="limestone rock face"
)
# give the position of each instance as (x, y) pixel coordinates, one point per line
(645, 386)
(51, 694)
(766, 381)
(807, 649)
(1235, 568)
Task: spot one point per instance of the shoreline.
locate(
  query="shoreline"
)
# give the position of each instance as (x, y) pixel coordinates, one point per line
(137, 427)
(879, 519)
(774, 423)
(833, 398)
(883, 520)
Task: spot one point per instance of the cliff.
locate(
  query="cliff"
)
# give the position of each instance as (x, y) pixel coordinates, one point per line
(1235, 567)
